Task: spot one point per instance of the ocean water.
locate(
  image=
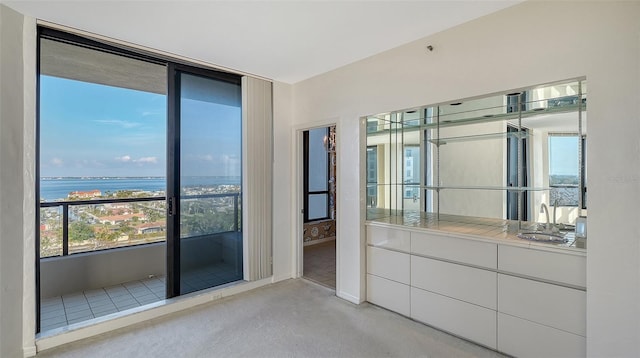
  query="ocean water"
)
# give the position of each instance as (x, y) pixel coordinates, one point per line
(52, 189)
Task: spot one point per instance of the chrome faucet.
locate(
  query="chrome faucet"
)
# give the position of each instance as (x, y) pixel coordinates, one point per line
(543, 207)
(555, 207)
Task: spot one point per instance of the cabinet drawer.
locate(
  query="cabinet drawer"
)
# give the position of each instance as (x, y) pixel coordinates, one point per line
(389, 238)
(389, 294)
(553, 266)
(522, 338)
(461, 282)
(471, 252)
(473, 322)
(391, 265)
(551, 305)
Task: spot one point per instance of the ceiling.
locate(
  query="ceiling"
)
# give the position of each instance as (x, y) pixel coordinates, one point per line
(287, 41)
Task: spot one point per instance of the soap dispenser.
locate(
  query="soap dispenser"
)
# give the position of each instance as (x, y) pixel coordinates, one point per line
(581, 227)
(581, 232)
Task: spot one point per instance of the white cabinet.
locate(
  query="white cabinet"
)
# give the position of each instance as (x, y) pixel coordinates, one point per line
(537, 315)
(387, 238)
(470, 252)
(389, 294)
(388, 275)
(456, 298)
(388, 264)
(464, 319)
(523, 301)
(567, 268)
(522, 338)
(550, 305)
(465, 283)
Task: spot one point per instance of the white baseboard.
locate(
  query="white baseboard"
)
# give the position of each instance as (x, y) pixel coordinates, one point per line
(349, 297)
(281, 278)
(29, 351)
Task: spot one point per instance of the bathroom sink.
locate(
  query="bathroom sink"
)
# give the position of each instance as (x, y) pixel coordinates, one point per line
(542, 237)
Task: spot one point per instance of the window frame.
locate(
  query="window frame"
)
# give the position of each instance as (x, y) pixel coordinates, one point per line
(581, 166)
(372, 165)
(522, 211)
(51, 34)
(306, 192)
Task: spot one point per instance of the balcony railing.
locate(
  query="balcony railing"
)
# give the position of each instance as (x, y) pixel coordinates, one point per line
(69, 227)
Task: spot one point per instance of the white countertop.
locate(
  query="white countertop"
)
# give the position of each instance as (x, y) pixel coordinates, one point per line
(484, 229)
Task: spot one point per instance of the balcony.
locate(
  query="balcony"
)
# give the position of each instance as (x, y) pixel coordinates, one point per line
(102, 256)
(71, 227)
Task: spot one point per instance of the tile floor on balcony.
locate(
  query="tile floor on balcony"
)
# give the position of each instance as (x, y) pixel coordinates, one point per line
(77, 307)
(81, 306)
(320, 263)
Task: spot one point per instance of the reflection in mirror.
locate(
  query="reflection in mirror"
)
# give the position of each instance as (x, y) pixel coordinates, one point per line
(499, 156)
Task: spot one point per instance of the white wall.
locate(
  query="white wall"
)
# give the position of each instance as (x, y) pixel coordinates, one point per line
(531, 43)
(17, 169)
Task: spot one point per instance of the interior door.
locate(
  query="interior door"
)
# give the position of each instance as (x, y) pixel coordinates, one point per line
(204, 180)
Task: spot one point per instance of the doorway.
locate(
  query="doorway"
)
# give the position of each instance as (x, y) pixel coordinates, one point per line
(204, 180)
(319, 205)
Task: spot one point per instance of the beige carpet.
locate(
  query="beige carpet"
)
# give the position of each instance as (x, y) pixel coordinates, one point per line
(294, 318)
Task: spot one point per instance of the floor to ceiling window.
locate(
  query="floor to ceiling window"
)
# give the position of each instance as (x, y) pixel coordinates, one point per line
(139, 179)
(205, 191)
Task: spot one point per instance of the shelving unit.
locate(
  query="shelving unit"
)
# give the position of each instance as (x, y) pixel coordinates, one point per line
(466, 150)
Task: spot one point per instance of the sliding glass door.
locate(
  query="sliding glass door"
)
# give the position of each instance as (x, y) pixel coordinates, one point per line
(132, 150)
(204, 239)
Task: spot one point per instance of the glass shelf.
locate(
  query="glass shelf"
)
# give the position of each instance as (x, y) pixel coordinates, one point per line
(504, 116)
(446, 140)
(504, 188)
(457, 187)
(481, 119)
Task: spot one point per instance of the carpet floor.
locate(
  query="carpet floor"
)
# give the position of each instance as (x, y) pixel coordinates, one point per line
(293, 318)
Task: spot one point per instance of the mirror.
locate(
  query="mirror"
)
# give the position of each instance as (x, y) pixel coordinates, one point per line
(500, 156)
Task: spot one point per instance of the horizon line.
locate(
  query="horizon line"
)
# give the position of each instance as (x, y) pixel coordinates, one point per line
(138, 176)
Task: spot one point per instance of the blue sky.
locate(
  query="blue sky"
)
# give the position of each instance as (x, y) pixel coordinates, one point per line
(210, 144)
(95, 130)
(564, 155)
(88, 129)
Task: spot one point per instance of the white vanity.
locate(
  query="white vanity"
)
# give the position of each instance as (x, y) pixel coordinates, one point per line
(519, 298)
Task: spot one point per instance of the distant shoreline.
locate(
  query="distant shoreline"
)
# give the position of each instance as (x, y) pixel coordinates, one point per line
(99, 178)
(130, 177)
(58, 188)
